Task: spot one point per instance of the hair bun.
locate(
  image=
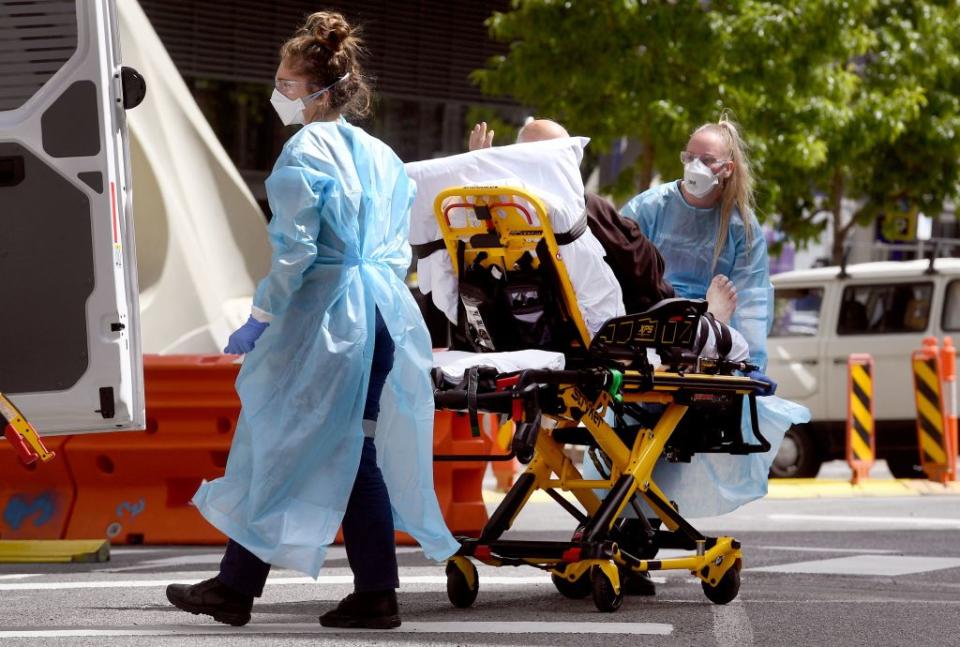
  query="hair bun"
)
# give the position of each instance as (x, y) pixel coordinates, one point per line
(329, 29)
(325, 49)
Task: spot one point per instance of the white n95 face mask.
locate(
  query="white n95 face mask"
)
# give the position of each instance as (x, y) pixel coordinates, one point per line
(698, 179)
(290, 110)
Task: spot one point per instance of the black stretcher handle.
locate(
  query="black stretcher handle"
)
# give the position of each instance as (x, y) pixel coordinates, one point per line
(500, 402)
(764, 445)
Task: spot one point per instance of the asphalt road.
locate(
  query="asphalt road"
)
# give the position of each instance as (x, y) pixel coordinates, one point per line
(818, 571)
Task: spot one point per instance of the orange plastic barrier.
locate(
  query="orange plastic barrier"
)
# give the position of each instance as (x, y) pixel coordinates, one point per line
(936, 434)
(35, 500)
(135, 487)
(459, 484)
(948, 366)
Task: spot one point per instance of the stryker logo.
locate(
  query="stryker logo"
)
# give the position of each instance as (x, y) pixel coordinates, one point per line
(587, 407)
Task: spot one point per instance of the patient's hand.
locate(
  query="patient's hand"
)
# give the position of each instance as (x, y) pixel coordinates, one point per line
(480, 137)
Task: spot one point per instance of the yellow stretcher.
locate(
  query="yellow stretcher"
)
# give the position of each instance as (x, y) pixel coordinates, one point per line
(608, 398)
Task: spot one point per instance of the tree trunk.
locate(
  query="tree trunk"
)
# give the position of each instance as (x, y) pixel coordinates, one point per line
(840, 230)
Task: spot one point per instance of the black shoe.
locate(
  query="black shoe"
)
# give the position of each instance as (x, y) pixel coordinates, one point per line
(213, 598)
(637, 583)
(368, 610)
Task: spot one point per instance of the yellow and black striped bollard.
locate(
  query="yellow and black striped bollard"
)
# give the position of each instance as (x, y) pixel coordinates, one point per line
(861, 429)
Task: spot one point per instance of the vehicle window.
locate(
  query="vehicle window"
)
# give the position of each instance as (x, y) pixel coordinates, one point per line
(796, 312)
(885, 309)
(951, 307)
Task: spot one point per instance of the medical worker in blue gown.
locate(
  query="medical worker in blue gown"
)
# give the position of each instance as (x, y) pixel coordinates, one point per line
(712, 244)
(336, 375)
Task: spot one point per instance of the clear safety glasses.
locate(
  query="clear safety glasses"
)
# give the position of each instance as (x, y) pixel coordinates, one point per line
(286, 85)
(686, 157)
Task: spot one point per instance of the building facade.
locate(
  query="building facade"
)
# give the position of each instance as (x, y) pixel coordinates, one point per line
(420, 55)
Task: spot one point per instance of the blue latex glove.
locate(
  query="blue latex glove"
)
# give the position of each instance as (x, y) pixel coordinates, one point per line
(245, 337)
(760, 377)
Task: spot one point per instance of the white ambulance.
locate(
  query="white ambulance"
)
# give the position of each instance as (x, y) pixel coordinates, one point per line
(69, 336)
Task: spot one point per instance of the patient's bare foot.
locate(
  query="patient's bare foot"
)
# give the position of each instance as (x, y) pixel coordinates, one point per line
(721, 298)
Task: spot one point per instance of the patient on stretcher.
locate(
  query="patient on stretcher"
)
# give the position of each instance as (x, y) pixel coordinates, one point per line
(550, 170)
(709, 484)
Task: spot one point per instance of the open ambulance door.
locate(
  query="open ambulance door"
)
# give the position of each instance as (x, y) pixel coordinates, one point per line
(70, 356)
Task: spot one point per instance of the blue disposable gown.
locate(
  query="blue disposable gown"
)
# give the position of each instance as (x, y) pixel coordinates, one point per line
(686, 236)
(712, 484)
(341, 203)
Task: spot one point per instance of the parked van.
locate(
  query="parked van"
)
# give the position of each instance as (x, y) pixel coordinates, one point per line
(823, 315)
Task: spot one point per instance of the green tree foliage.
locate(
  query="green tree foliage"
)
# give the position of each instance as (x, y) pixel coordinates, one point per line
(839, 99)
(608, 69)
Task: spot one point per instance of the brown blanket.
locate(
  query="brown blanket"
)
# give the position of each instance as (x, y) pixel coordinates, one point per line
(635, 261)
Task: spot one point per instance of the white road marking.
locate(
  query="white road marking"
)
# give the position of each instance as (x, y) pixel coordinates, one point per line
(334, 552)
(485, 580)
(323, 579)
(832, 602)
(629, 628)
(163, 562)
(141, 550)
(731, 625)
(19, 576)
(929, 522)
(951, 603)
(809, 549)
(882, 565)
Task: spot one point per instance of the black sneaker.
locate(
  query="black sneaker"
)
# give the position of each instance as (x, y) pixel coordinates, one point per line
(213, 598)
(637, 583)
(367, 610)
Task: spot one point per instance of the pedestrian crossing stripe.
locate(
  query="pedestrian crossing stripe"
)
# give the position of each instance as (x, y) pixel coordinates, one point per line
(929, 411)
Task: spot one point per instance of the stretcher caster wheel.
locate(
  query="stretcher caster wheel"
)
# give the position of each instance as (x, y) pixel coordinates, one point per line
(462, 587)
(726, 589)
(576, 590)
(604, 597)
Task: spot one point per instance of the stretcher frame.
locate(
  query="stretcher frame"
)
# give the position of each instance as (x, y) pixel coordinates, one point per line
(549, 409)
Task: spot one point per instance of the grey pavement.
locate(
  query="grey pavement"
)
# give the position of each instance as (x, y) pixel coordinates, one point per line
(878, 571)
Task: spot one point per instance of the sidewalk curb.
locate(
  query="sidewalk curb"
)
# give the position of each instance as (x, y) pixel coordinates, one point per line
(822, 488)
(810, 489)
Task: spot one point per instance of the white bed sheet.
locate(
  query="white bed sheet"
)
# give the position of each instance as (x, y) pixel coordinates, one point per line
(551, 171)
(453, 363)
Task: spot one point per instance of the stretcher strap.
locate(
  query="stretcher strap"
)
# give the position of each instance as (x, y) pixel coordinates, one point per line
(473, 379)
(574, 232)
(721, 335)
(422, 250)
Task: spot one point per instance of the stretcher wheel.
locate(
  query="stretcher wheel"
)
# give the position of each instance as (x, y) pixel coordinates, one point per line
(460, 591)
(604, 597)
(726, 589)
(575, 590)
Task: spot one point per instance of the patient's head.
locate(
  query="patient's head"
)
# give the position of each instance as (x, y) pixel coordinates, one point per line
(539, 130)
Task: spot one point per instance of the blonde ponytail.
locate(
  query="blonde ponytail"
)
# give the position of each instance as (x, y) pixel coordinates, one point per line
(738, 187)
